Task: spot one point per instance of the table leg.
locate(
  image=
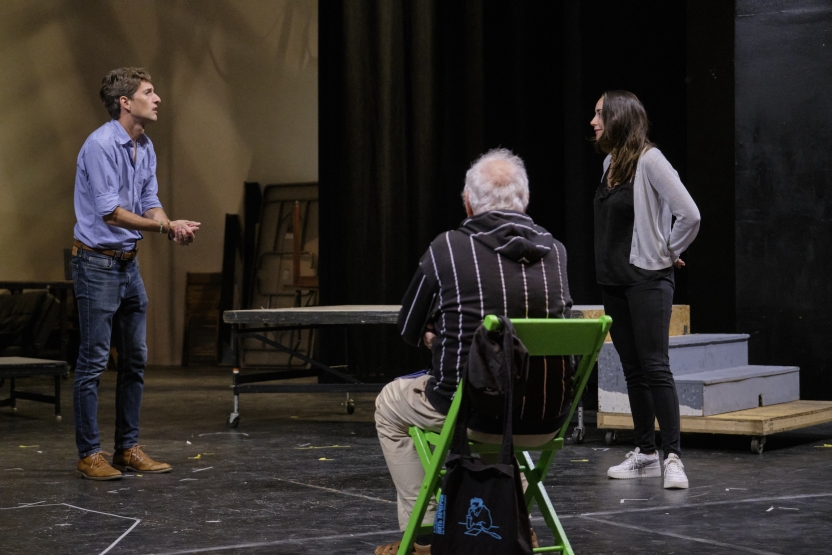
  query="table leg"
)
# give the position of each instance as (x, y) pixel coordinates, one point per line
(58, 398)
(236, 342)
(234, 417)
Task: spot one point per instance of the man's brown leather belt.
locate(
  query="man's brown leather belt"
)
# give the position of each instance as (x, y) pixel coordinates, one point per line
(121, 255)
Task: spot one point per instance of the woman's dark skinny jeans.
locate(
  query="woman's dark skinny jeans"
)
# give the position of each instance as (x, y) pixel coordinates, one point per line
(640, 326)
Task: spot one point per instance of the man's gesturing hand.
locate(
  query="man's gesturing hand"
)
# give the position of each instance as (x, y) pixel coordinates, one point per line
(182, 231)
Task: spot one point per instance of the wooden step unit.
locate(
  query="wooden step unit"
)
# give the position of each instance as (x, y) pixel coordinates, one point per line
(760, 421)
(679, 316)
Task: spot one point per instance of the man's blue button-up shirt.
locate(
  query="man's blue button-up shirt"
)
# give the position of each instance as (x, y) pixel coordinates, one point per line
(105, 178)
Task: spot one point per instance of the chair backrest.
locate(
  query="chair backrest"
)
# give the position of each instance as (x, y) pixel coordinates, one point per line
(562, 337)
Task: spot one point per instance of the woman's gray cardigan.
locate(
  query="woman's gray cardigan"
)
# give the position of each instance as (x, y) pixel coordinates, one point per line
(658, 194)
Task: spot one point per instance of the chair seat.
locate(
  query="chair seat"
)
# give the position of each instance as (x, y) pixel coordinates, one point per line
(554, 444)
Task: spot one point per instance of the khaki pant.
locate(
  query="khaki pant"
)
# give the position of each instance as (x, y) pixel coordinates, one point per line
(401, 404)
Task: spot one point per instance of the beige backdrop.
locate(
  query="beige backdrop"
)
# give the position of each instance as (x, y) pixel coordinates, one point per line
(239, 86)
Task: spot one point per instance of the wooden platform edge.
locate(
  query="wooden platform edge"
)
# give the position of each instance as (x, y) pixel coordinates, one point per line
(760, 421)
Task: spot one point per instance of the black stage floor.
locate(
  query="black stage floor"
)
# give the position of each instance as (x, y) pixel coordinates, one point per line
(299, 477)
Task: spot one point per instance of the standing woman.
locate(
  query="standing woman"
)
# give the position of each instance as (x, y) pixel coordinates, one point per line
(637, 244)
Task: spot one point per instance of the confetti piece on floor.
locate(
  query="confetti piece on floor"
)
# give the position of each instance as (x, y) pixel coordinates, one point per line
(579, 460)
(825, 445)
(28, 446)
(770, 509)
(188, 480)
(788, 508)
(199, 456)
(728, 489)
(323, 447)
(623, 500)
(212, 521)
(187, 442)
(325, 459)
(201, 469)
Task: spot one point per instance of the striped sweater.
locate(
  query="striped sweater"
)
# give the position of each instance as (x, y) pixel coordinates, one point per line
(497, 262)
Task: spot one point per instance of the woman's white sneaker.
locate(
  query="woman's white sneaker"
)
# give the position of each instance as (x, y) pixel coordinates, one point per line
(637, 465)
(674, 473)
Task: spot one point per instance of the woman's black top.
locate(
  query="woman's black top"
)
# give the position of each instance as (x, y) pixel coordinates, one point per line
(614, 220)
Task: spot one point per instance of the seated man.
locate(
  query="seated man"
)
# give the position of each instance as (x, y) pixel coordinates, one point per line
(497, 262)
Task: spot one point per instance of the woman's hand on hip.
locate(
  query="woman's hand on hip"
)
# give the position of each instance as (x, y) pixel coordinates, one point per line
(679, 263)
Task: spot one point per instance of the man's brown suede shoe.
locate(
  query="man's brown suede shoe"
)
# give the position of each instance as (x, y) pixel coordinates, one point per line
(393, 548)
(135, 459)
(95, 467)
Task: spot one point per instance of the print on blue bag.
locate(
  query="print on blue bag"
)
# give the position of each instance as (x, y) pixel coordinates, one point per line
(478, 520)
(439, 520)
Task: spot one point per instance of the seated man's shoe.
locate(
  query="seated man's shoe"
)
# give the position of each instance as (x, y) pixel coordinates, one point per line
(393, 548)
(135, 459)
(96, 467)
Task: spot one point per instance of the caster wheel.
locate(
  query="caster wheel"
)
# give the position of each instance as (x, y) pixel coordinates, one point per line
(350, 406)
(233, 420)
(757, 444)
(578, 435)
(611, 438)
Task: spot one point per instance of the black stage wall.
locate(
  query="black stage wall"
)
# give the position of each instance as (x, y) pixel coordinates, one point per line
(411, 92)
(783, 200)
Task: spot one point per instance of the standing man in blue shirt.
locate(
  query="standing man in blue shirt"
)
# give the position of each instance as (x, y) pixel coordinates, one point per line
(115, 201)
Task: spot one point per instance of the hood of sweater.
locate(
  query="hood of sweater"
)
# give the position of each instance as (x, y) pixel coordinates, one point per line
(511, 234)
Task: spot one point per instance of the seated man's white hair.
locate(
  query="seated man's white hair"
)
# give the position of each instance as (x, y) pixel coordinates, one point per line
(497, 180)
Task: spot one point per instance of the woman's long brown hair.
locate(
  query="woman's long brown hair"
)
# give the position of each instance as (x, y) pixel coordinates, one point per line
(625, 134)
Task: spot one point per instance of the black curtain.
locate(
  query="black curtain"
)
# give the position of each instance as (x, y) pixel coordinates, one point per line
(411, 92)
(783, 202)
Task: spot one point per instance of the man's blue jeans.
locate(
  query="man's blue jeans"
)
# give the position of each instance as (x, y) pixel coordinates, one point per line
(112, 305)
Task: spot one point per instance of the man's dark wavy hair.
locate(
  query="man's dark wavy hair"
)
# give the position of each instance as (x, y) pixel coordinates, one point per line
(123, 81)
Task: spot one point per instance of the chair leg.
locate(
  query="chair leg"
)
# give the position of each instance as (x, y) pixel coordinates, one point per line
(535, 473)
(537, 492)
(430, 487)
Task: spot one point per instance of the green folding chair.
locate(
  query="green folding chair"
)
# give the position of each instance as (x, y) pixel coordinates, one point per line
(542, 337)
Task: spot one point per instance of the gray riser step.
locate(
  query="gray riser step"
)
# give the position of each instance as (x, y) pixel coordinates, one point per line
(723, 390)
(732, 389)
(689, 354)
(695, 353)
